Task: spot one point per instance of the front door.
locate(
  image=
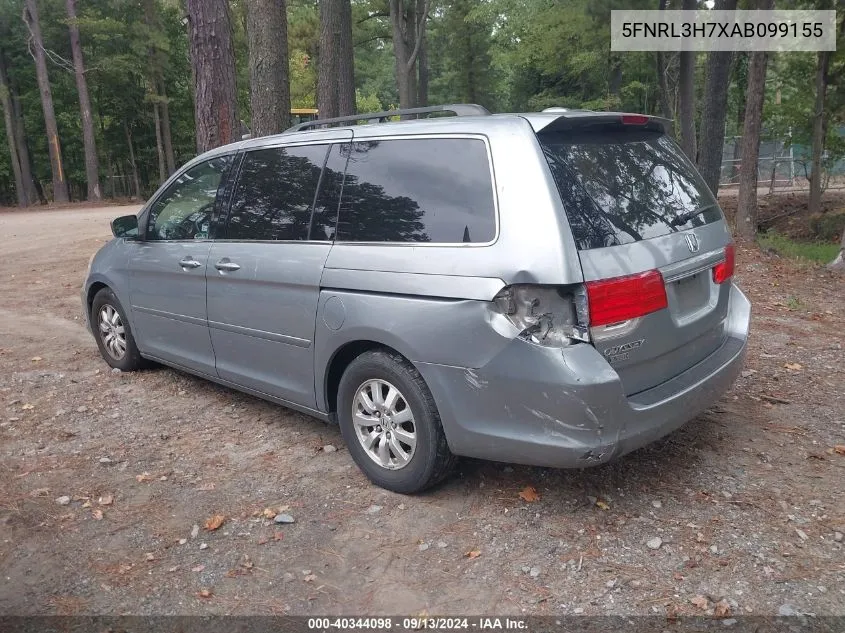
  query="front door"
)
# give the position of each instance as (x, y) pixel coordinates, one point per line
(264, 276)
(167, 285)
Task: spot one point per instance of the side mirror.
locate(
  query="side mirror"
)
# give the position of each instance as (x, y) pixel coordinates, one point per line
(125, 226)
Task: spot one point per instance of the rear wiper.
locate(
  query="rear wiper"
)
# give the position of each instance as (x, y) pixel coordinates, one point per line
(689, 215)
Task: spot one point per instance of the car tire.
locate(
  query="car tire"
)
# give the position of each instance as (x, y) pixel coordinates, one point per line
(409, 414)
(113, 333)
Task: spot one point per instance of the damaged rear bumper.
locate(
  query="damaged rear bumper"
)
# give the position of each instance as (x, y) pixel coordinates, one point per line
(566, 408)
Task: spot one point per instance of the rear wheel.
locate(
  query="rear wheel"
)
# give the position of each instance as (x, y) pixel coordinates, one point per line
(390, 423)
(113, 334)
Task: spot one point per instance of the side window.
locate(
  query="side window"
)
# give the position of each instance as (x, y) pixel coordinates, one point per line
(324, 220)
(275, 193)
(418, 190)
(183, 212)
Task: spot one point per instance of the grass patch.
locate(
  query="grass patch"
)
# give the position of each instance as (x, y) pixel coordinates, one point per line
(820, 252)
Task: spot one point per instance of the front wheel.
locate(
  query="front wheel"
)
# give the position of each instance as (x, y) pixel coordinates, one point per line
(113, 334)
(390, 423)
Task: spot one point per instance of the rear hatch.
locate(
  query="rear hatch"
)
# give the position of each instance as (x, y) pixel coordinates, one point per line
(654, 247)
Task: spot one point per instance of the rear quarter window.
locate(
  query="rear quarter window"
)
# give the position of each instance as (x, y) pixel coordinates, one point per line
(436, 190)
(624, 185)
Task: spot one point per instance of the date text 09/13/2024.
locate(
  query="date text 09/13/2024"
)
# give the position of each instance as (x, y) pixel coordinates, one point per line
(416, 623)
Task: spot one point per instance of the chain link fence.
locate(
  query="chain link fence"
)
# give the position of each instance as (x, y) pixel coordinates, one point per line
(780, 166)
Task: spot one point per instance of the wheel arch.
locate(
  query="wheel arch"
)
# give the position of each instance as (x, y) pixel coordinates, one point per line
(341, 359)
(93, 289)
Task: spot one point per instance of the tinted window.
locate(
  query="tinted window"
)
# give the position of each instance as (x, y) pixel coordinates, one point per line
(421, 190)
(275, 192)
(622, 185)
(183, 212)
(324, 220)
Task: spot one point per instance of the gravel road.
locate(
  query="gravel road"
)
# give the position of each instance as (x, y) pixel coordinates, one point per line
(110, 483)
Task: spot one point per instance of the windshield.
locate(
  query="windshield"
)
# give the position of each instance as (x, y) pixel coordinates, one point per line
(623, 185)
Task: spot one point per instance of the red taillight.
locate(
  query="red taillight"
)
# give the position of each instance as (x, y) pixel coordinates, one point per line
(634, 119)
(725, 270)
(622, 298)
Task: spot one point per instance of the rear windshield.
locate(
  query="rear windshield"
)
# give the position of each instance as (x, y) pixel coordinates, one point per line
(624, 185)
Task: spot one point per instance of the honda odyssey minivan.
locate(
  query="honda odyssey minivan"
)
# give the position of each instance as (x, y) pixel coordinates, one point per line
(548, 288)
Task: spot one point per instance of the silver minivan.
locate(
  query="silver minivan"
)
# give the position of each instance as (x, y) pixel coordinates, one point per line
(548, 288)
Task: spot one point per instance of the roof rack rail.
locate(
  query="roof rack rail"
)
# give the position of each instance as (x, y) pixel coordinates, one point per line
(458, 109)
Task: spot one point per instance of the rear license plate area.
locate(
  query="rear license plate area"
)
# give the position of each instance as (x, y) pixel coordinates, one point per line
(690, 294)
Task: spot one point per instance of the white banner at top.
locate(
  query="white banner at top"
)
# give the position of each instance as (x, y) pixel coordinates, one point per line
(703, 30)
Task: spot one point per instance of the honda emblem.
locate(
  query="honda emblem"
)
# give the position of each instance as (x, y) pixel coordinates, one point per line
(692, 242)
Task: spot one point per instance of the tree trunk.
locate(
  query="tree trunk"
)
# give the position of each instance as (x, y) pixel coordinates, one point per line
(8, 118)
(408, 34)
(327, 63)
(422, 58)
(686, 95)
(33, 187)
(162, 164)
(111, 175)
(715, 111)
(615, 81)
(166, 135)
(136, 181)
(819, 132)
(92, 166)
(345, 61)
(746, 211)
(30, 17)
(269, 89)
(213, 65)
(662, 80)
(158, 90)
(742, 89)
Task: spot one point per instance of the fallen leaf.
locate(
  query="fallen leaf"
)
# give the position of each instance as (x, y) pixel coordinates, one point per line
(106, 500)
(839, 449)
(794, 366)
(474, 553)
(97, 514)
(27, 406)
(678, 576)
(35, 359)
(278, 536)
(214, 522)
(268, 513)
(529, 494)
(149, 556)
(722, 609)
(701, 602)
(204, 593)
(603, 505)
(310, 578)
(198, 568)
(143, 477)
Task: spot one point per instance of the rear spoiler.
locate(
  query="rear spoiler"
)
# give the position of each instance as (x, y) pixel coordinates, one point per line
(583, 119)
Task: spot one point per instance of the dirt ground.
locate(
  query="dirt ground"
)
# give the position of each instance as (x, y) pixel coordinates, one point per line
(746, 500)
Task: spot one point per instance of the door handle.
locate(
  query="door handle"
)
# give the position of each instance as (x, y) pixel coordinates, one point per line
(226, 266)
(189, 262)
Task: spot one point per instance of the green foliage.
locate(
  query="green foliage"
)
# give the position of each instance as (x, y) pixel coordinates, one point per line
(814, 251)
(508, 55)
(367, 103)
